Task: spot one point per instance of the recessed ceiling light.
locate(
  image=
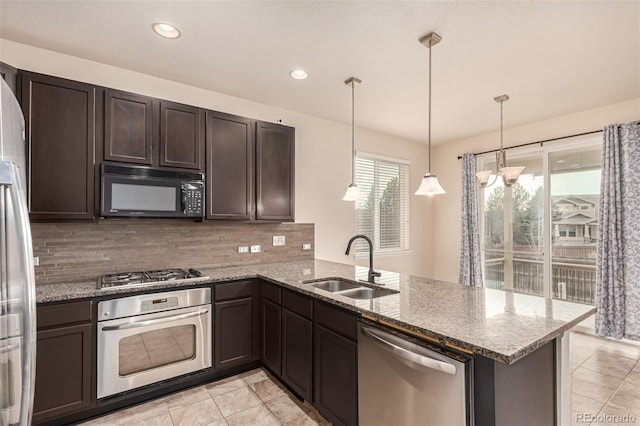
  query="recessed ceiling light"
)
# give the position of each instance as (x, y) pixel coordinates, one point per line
(166, 30)
(299, 74)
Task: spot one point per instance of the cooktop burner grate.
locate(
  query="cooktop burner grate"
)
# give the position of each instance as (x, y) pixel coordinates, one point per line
(122, 279)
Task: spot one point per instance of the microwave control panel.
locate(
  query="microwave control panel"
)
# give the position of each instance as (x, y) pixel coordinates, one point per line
(193, 193)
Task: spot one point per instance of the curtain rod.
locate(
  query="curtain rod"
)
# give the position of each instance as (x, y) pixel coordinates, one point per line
(535, 143)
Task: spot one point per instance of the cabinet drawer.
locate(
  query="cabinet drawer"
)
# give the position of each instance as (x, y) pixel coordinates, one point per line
(336, 319)
(63, 313)
(298, 303)
(233, 290)
(271, 292)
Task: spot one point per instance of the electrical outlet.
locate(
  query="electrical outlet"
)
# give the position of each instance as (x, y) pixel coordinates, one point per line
(243, 249)
(36, 261)
(255, 249)
(278, 240)
(306, 247)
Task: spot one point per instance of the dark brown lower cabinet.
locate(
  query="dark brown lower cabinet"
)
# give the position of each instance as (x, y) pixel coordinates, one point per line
(233, 332)
(236, 323)
(335, 365)
(297, 353)
(272, 336)
(63, 361)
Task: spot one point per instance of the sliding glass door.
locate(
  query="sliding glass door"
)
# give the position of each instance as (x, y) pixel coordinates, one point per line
(574, 177)
(539, 235)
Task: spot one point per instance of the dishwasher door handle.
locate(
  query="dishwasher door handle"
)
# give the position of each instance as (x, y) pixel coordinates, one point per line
(408, 355)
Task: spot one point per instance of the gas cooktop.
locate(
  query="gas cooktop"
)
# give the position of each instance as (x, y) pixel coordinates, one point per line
(130, 279)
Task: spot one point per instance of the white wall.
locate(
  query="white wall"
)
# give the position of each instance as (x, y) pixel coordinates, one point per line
(446, 210)
(322, 151)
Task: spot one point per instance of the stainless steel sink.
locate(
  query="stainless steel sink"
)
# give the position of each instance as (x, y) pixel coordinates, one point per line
(351, 289)
(334, 285)
(367, 293)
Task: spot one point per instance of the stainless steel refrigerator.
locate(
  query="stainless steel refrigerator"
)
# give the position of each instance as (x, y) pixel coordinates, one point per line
(17, 278)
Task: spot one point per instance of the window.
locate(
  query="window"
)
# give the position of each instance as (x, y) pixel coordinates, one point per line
(383, 212)
(539, 236)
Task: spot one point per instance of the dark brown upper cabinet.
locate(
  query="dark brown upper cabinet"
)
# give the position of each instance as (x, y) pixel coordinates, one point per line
(128, 128)
(275, 172)
(60, 118)
(181, 136)
(250, 169)
(230, 159)
(151, 132)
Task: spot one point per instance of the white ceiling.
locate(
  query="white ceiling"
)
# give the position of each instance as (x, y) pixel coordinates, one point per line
(552, 58)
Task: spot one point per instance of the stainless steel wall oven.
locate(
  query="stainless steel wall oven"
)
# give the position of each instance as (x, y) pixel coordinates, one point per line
(152, 337)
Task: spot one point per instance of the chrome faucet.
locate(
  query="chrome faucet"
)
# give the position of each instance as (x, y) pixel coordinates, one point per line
(371, 277)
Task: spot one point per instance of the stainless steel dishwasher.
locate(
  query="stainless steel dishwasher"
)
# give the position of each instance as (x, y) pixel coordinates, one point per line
(401, 382)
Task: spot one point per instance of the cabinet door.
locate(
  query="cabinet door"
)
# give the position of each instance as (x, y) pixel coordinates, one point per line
(275, 169)
(297, 347)
(336, 377)
(181, 136)
(233, 332)
(61, 143)
(128, 127)
(230, 142)
(63, 372)
(272, 336)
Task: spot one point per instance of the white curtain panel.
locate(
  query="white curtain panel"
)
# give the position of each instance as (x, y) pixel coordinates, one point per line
(470, 259)
(618, 253)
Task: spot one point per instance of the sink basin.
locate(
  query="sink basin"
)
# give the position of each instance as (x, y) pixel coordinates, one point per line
(334, 285)
(367, 293)
(351, 289)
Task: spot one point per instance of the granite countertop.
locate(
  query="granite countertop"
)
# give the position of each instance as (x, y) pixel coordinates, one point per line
(501, 325)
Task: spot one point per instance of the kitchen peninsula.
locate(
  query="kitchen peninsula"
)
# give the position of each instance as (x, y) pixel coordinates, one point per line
(510, 336)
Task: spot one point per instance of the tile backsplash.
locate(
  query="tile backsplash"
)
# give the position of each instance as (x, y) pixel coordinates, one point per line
(71, 252)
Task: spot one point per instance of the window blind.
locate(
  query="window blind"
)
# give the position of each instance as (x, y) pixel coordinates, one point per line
(383, 213)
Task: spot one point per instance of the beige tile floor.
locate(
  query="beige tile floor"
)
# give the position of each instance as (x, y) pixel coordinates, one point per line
(251, 398)
(605, 380)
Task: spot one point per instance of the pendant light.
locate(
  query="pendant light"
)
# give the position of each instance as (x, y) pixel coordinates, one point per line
(430, 185)
(510, 175)
(353, 193)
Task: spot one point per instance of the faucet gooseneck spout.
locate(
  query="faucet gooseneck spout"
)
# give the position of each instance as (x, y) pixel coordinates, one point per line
(372, 274)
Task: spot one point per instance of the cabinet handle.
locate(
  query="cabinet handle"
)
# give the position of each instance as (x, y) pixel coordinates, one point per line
(160, 320)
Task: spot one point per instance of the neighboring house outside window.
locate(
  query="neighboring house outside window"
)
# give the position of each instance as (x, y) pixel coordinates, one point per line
(383, 213)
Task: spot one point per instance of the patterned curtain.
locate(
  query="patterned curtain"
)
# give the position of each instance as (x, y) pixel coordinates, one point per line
(618, 253)
(470, 263)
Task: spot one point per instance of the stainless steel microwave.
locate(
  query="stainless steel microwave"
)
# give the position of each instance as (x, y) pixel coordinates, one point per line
(138, 191)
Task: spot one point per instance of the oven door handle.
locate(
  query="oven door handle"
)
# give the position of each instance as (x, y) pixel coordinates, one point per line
(154, 321)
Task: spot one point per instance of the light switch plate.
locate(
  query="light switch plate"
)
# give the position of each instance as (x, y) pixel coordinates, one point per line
(243, 249)
(255, 249)
(278, 240)
(306, 247)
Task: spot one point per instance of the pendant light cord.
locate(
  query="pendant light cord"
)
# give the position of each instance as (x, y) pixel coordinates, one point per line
(353, 144)
(501, 125)
(429, 121)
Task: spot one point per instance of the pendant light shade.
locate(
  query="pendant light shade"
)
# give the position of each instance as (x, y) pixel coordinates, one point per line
(510, 175)
(353, 192)
(430, 185)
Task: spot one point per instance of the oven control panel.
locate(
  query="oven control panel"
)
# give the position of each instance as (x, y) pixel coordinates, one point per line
(160, 304)
(131, 306)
